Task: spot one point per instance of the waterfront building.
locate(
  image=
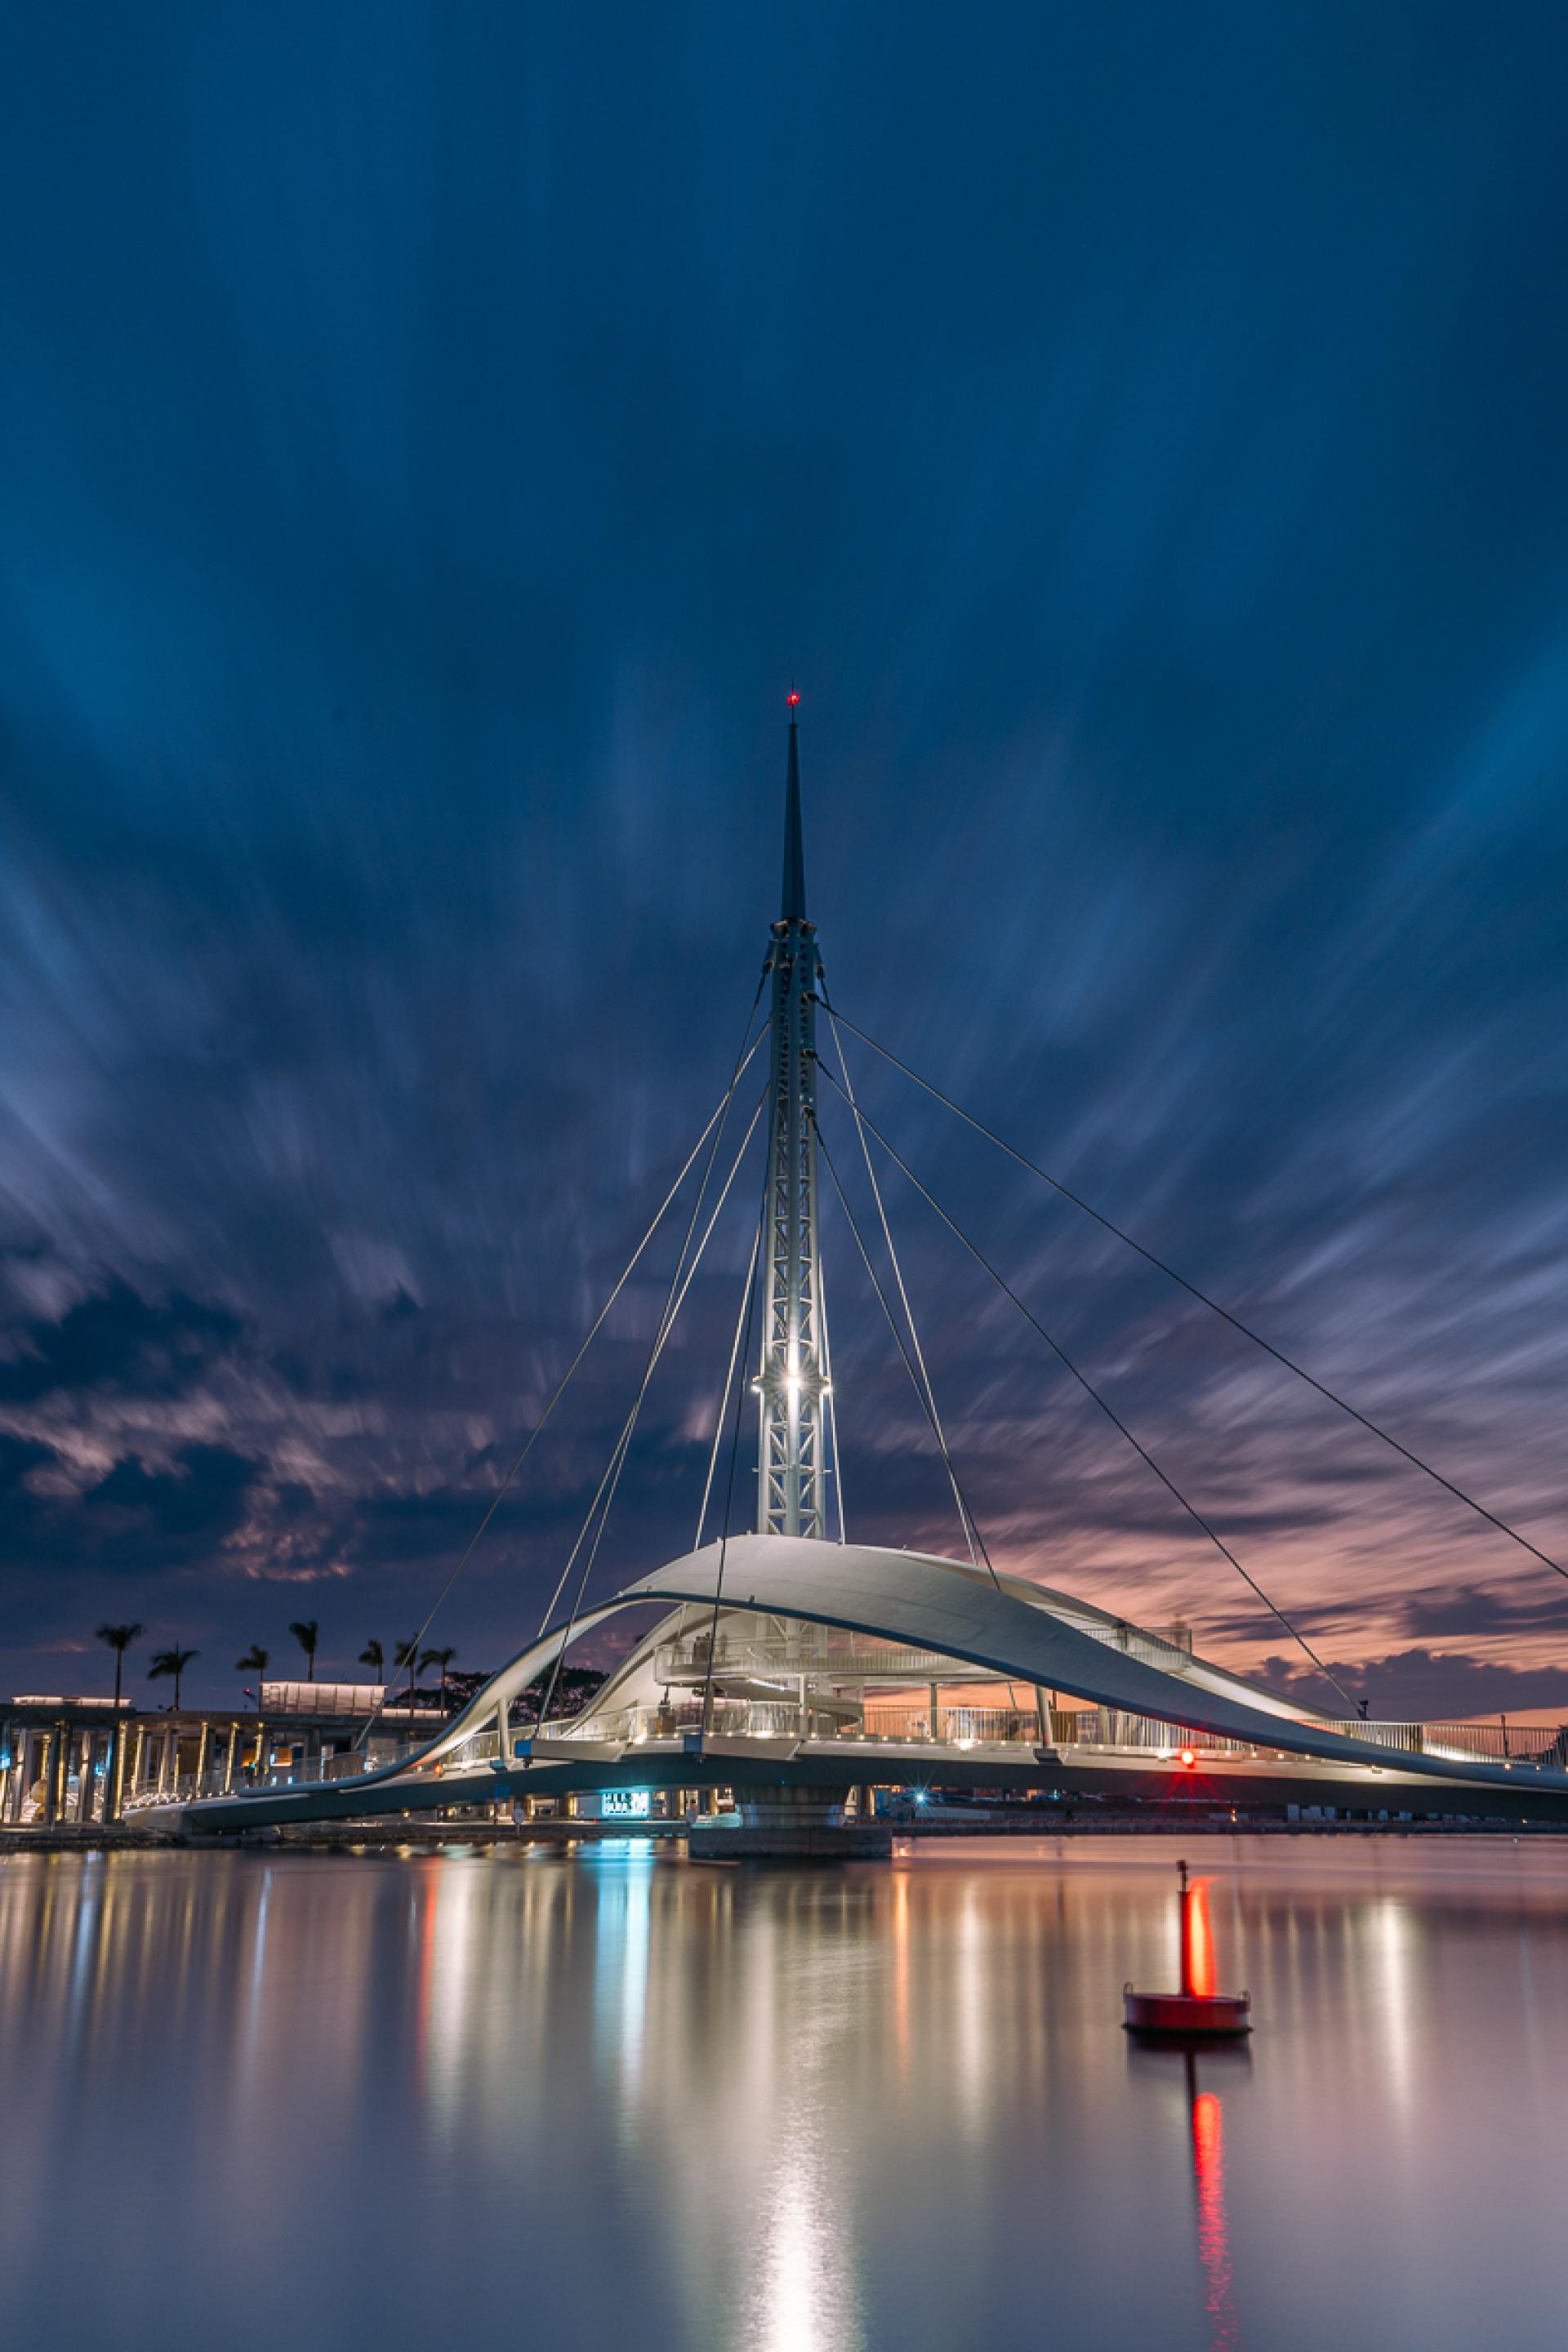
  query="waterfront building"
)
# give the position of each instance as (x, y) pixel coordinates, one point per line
(75, 1761)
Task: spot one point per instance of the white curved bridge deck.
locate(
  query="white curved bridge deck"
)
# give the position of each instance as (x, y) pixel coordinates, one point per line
(1248, 1744)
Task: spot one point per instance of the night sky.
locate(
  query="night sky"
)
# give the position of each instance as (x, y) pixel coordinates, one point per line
(432, 441)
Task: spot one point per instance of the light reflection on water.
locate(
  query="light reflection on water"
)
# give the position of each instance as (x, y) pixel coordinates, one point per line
(348, 2100)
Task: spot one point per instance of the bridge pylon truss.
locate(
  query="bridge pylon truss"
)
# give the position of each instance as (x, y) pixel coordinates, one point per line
(792, 1381)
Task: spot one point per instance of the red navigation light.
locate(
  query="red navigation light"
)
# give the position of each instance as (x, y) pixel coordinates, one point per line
(1188, 1758)
(792, 698)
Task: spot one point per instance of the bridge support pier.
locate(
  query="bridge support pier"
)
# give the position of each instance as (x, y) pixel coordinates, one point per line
(789, 1824)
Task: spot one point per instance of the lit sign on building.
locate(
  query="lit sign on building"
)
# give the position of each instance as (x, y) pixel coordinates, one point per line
(626, 1804)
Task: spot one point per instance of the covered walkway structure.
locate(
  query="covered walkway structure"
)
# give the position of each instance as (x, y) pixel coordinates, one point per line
(827, 1664)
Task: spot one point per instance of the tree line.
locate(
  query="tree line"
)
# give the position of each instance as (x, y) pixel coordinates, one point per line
(170, 1665)
(575, 1684)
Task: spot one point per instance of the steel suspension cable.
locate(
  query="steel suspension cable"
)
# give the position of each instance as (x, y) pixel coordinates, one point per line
(751, 1290)
(668, 1314)
(715, 1120)
(675, 1298)
(848, 1088)
(1162, 1266)
(1112, 1415)
(730, 1374)
(966, 1518)
(724, 1392)
(928, 1403)
(831, 1394)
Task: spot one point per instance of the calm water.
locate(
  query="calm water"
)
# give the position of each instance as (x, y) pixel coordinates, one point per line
(348, 2100)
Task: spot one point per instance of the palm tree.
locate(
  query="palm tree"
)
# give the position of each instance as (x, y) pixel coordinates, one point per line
(442, 1658)
(173, 1662)
(256, 1662)
(307, 1632)
(120, 1638)
(374, 1656)
(408, 1654)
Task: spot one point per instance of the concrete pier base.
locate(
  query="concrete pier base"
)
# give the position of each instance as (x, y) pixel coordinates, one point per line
(784, 1824)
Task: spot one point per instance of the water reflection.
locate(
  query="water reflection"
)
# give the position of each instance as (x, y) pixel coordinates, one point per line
(618, 2097)
(1208, 2177)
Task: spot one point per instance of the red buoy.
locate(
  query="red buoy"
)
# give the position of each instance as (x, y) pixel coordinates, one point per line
(1197, 2008)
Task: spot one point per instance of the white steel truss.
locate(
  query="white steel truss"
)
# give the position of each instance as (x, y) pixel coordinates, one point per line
(792, 1383)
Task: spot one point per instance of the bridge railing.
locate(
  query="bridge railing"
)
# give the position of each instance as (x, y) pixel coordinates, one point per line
(480, 1747)
(1110, 1726)
(895, 1723)
(216, 1780)
(953, 1727)
(907, 1720)
(1491, 1743)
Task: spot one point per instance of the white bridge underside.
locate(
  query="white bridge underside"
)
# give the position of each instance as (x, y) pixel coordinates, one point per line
(912, 1622)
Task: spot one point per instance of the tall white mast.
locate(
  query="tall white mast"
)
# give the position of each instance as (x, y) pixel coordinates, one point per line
(793, 1376)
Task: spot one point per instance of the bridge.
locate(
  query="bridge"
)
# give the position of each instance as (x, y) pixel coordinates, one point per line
(790, 1667)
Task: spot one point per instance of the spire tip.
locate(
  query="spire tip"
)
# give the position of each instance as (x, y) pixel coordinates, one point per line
(794, 909)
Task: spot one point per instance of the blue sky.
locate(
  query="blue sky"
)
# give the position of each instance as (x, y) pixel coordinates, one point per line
(432, 440)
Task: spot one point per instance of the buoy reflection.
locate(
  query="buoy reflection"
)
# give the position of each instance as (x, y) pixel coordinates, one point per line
(1207, 2125)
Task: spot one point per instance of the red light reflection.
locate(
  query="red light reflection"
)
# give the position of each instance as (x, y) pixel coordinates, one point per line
(1214, 2241)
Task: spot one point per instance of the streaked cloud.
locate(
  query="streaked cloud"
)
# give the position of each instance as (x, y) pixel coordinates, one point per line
(430, 447)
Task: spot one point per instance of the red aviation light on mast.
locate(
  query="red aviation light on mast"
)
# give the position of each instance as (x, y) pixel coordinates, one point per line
(792, 698)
